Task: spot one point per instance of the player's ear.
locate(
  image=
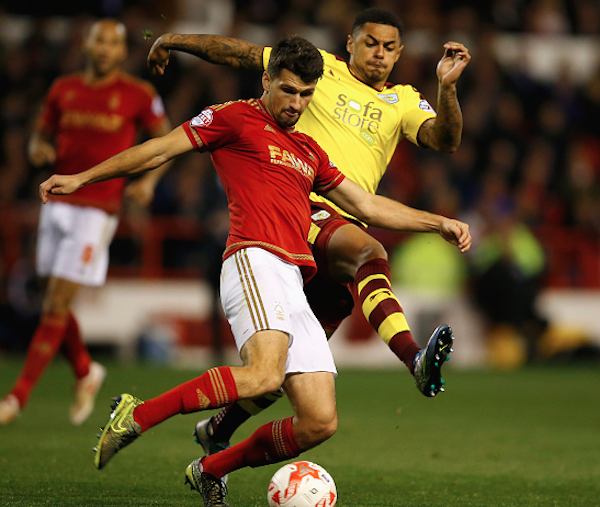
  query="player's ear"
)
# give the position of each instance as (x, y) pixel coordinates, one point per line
(266, 82)
(398, 53)
(350, 44)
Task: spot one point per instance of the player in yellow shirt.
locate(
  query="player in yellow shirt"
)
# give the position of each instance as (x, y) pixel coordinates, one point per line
(357, 117)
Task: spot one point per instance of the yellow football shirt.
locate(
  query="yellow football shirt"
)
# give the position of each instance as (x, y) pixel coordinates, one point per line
(357, 125)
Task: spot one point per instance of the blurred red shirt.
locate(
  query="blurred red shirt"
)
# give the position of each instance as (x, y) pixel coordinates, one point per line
(93, 122)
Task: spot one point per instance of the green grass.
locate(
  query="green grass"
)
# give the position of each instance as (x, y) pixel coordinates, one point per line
(524, 438)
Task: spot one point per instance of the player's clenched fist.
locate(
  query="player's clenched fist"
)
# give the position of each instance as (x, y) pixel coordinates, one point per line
(59, 184)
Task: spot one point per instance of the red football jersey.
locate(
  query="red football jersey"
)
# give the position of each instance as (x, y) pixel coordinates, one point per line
(268, 173)
(91, 123)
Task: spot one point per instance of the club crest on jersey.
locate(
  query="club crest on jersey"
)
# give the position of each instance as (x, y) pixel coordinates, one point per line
(114, 101)
(321, 215)
(204, 119)
(425, 106)
(390, 98)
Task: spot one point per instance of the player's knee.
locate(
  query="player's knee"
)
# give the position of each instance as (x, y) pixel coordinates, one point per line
(371, 251)
(266, 381)
(317, 430)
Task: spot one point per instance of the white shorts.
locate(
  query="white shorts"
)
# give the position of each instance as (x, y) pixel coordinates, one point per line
(73, 242)
(261, 291)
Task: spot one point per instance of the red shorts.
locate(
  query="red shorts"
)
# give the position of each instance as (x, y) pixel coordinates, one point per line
(330, 301)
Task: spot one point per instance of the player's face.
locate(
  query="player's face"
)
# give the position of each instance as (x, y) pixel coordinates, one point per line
(286, 97)
(374, 49)
(105, 46)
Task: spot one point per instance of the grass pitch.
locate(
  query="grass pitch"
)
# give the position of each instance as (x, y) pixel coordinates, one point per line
(494, 439)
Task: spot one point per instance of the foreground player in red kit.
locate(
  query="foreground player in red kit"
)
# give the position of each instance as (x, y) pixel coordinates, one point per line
(268, 171)
(358, 118)
(87, 117)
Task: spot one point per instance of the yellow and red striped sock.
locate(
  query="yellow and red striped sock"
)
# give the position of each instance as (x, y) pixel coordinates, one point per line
(383, 311)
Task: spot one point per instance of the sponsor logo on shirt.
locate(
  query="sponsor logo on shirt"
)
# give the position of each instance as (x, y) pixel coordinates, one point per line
(204, 119)
(366, 118)
(288, 159)
(390, 98)
(367, 137)
(94, 121)
(425, 106)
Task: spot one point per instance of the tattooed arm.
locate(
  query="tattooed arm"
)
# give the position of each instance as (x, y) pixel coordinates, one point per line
(443, 133)
(235, 53)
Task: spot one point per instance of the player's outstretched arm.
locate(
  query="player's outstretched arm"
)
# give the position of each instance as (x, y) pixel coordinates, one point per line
(140, 158)
(380, 211)
(228, 51)
(444, 132)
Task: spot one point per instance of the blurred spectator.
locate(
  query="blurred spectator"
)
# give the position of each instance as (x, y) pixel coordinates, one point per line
(508, 264)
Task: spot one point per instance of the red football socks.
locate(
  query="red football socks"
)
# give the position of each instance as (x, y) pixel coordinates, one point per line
(271, 443)
(43, 347)
(213, 389)
(75, 350)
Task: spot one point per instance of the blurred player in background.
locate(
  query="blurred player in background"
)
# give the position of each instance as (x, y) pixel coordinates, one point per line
(87, 117)
(268, 171)
(357, 117)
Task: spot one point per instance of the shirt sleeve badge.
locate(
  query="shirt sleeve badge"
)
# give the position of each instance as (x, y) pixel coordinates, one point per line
(204, 119)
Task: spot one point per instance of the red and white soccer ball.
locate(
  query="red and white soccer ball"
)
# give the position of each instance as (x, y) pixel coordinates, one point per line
(302, 484)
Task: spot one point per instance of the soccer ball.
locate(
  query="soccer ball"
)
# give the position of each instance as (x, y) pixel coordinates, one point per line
(302, 484)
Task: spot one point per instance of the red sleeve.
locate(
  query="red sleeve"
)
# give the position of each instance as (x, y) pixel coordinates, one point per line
(152, 109)
(50, 116)
(215, 127)
(328, 175)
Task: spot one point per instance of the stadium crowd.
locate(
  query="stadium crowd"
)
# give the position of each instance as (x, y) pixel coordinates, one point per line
(526, 177)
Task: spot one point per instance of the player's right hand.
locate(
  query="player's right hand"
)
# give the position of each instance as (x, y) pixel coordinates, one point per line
(42, 153)
(456, 233)
(58, 184)
(158, 58)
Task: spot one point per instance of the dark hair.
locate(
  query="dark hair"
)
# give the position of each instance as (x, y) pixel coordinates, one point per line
(379, 17)
(298, 56)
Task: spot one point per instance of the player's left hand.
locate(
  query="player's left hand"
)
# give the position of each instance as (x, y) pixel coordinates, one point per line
(450, 67)
(59, 184)
(457, 233)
